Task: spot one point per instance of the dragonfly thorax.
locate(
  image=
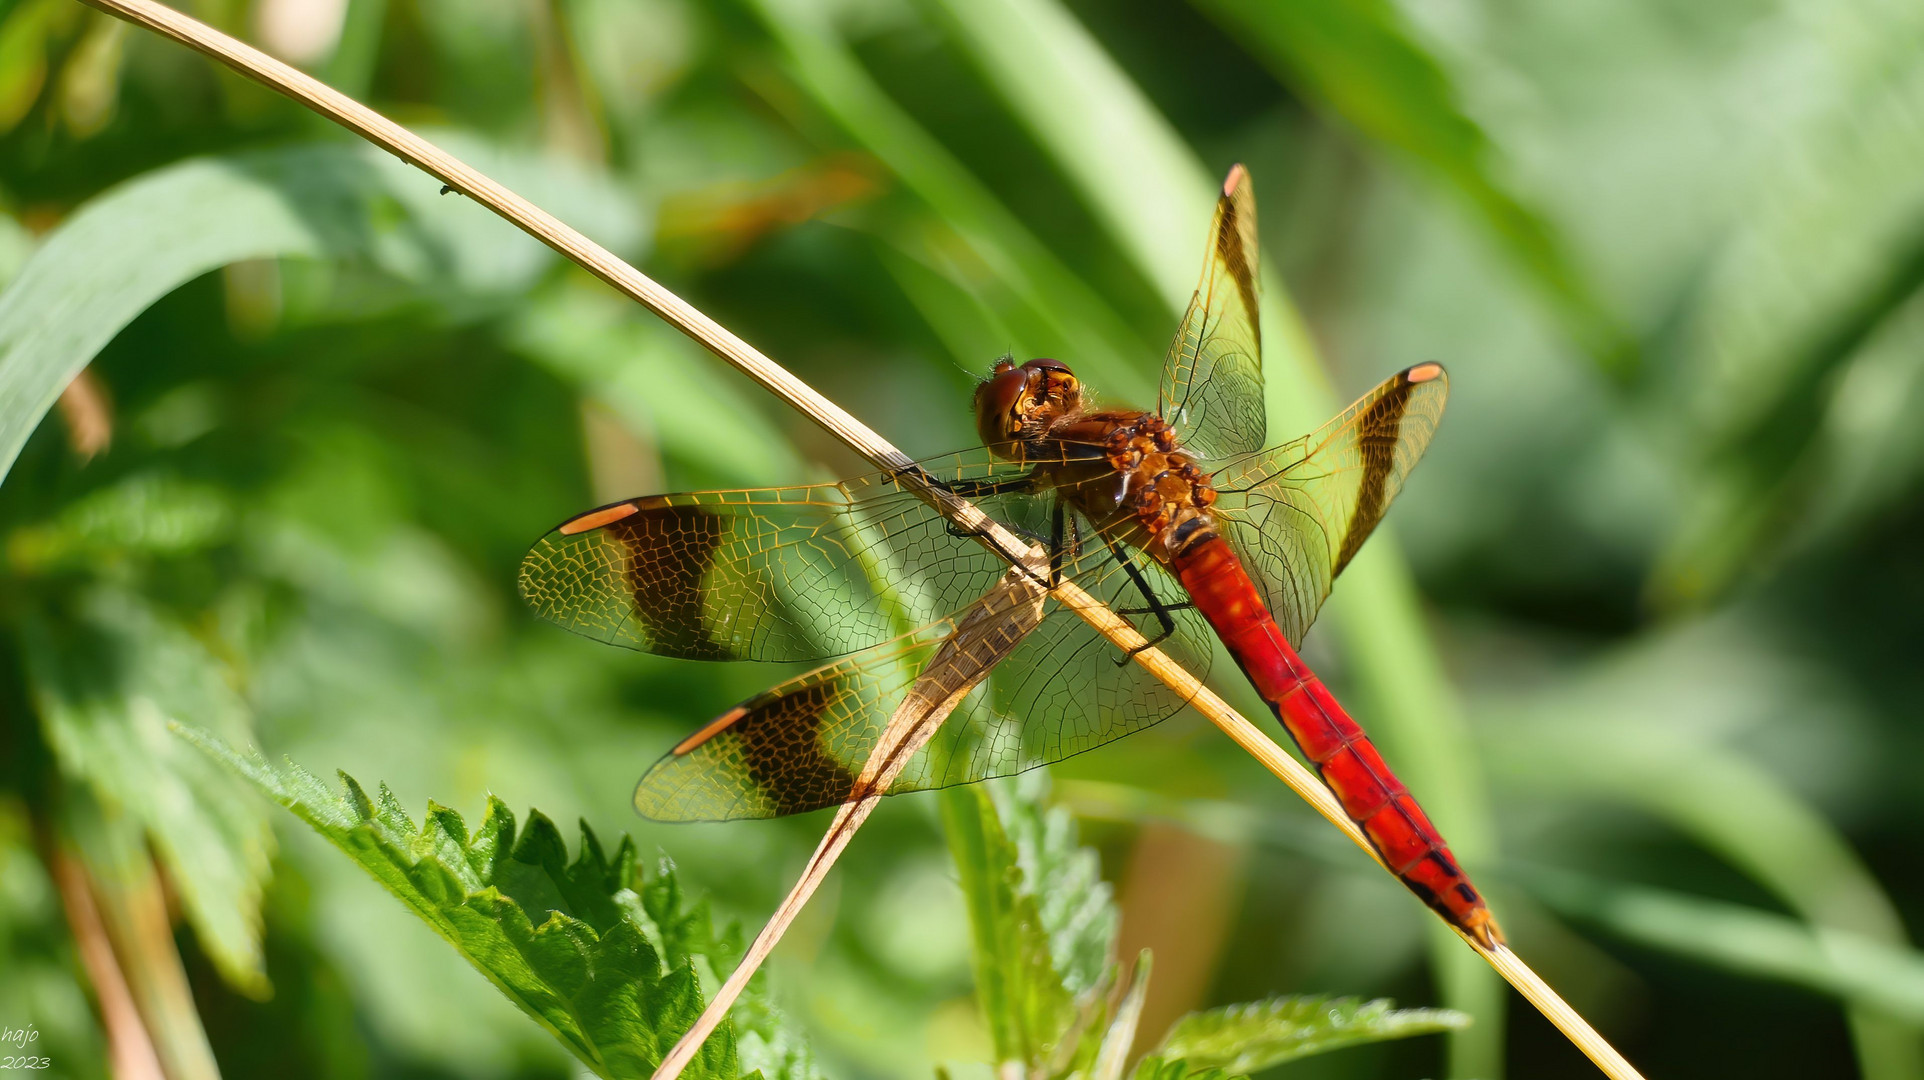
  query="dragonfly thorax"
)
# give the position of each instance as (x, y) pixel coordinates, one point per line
(1125, 471)
(1164, 489)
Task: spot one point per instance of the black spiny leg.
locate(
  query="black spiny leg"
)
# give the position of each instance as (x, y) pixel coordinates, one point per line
(981, 489)
(1156, 606)
(1057, 544)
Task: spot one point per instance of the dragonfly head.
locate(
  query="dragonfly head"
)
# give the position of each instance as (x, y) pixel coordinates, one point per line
(1020, 403)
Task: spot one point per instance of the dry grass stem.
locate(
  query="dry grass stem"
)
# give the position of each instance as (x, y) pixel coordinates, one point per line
(130, 1047)
(712, 336)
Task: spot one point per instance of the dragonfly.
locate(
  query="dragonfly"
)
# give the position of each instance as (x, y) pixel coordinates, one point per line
(1178, 519)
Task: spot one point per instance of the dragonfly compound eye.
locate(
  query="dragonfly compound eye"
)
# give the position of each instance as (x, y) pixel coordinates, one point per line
(996, 402)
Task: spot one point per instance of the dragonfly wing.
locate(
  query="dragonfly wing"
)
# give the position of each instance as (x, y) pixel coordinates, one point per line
(1067, 689)
(792, 573)
(1212, 379)
(1297, 513)
(1056, 690)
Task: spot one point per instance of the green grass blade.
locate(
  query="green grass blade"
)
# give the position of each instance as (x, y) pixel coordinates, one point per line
(1745, 940)
(1025, 283)
(1748, 817)
(1363, 62)
(140, 241)
(1024, 998)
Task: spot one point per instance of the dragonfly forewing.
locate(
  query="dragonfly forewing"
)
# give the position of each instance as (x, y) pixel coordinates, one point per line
(1212, 378)
(786, 573)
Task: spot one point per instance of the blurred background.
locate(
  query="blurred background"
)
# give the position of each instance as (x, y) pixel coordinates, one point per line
(1642, 630)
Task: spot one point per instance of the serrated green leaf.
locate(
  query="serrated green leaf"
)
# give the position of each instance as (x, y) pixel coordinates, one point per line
(1242, 1039)
(141, 240)
(107, 678)
(1042, 920)
(1076, 906)
(1023, 997)
(601, 959)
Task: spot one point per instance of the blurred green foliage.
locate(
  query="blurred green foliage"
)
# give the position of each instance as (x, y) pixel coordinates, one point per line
(1660, 689)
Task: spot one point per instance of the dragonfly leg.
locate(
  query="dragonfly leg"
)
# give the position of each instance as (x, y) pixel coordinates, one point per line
(980, 489)
(1059, 526)
(1156, 605)
(1058, 542)
(1184, 606)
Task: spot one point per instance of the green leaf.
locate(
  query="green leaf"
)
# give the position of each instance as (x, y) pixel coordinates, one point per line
(1119, 1037)
(1031, 1009)
(107, 678)
(1155, 1068)
(601, 959)
(1242, 1039)
(1363, 62)
(1075, 905)
(141, 240)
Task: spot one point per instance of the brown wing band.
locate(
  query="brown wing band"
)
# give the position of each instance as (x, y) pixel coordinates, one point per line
(780, 740)
(1230, 240)
(1380, 426)
(670, 549)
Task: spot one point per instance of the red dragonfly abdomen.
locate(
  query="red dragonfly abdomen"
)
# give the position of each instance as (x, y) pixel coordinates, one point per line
(1344, 757)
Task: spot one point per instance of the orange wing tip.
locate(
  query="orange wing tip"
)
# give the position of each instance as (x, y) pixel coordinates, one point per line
(1238, 176)
(709, 730)
(595, 519)
(1423, 373)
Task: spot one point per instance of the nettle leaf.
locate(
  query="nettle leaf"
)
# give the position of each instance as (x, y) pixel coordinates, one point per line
(107, 677)
(603, 960)
(1042, 923)
(1077, 907)
(1242, 1039)
(1023, 999)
